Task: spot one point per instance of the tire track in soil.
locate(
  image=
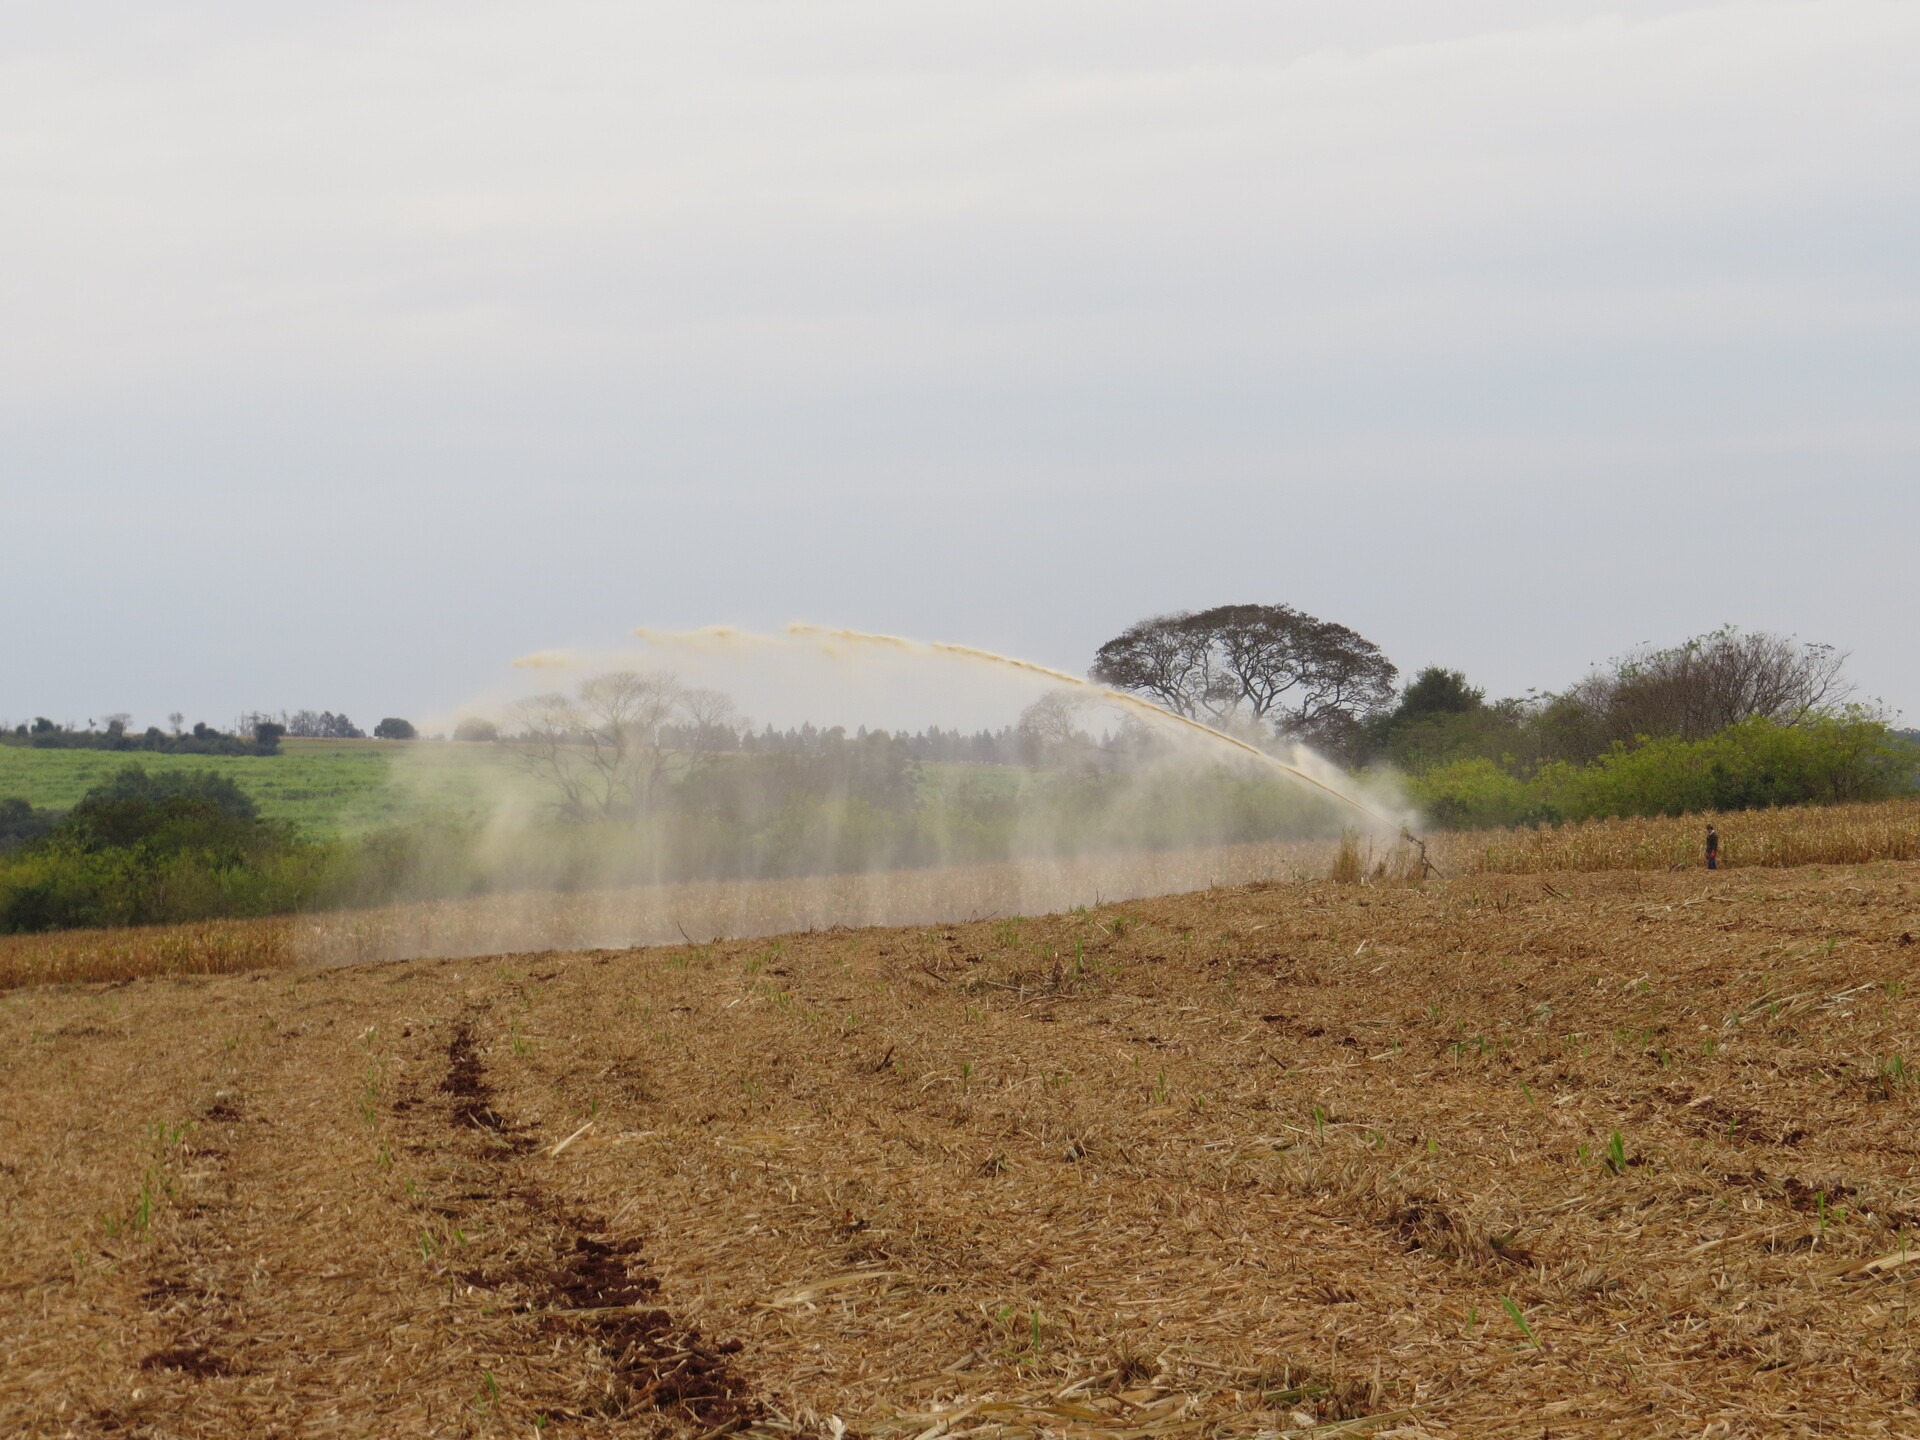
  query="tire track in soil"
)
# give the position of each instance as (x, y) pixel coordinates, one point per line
(184, 1286)
(234, 1306)
(596, 1289)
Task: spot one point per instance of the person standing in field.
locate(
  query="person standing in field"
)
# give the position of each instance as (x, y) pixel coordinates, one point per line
(1713, 848)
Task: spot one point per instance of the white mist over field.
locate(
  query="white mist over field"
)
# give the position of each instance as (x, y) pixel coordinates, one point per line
(616, 823)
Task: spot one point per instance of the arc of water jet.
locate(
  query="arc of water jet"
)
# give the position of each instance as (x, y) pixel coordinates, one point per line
(549, 660)
(706, 637)
(822, 634)
(1115, 697)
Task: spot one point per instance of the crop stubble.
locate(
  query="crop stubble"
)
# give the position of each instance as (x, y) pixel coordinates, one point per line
(1245, 1161)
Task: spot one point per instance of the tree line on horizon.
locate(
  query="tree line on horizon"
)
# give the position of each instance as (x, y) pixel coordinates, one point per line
(1278, 672)
(256, 733)
(1729, 719)
(1265, 672)
(202, 739)
(1269, 673)
(1726, 720)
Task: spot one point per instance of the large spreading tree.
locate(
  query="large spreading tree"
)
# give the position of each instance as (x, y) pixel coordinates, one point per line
(1275, 667)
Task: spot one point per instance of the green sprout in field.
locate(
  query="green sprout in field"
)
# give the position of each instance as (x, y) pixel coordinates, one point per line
(1520, 1321)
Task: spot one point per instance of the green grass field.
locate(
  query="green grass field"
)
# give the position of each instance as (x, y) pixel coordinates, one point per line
(328, 788)
(323, 787)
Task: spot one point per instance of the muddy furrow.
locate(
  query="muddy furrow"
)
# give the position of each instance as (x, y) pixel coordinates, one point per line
(577, 1290)
(185, 1290)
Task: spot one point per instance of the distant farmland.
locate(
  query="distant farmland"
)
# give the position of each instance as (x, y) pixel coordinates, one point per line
(329, 788)
(324, 787)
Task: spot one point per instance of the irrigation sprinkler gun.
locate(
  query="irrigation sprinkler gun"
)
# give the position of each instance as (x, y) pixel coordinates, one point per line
(1427, 867)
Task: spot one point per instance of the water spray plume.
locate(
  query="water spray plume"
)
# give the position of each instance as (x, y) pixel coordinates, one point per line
(1134, 703)
(861, 838)
(1154, 714)
(716, 637)
(547, 660)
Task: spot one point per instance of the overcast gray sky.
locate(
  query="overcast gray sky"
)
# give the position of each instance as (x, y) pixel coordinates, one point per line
(348, 351)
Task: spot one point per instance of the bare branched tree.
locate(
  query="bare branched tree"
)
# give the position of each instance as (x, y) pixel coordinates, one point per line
(1698, 688)
(600, 748)
(1054, 719)
(710, 725)
(1052, 730)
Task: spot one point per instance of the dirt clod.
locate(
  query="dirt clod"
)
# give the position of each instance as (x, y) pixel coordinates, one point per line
(194, 1360)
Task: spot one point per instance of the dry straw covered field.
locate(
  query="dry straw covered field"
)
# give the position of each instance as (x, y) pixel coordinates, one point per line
(1793, 835)
(1615, 1153)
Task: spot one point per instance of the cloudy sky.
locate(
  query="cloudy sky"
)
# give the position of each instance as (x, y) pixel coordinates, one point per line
(348, 351)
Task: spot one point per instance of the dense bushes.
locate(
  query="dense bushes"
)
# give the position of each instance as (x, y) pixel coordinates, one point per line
(21, 823)
(1752, 764)
(1471, 795)
(145, 848)
(173, 810)
(1725, 721)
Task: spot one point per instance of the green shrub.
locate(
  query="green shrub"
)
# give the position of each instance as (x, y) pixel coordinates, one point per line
(143, 849)
(1751, 765)
(20, 823)
(173, 810)
(1471, 795)
(1754, 764)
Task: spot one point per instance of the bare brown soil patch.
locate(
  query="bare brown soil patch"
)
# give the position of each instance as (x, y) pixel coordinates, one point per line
(194, 1360)
(1601, 1154)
